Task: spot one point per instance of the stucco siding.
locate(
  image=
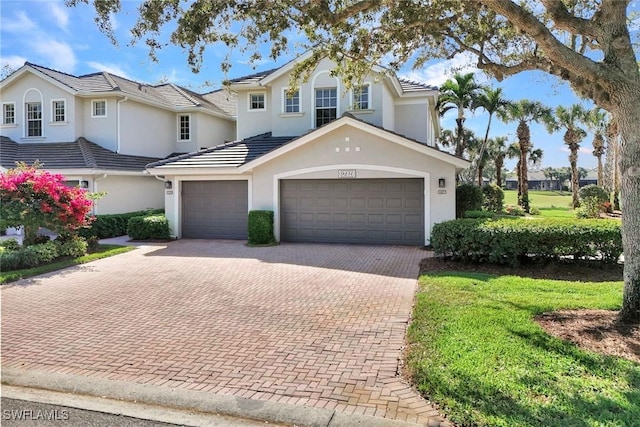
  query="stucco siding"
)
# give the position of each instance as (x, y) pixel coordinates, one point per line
(101, 130)
(413, 120)
(30, 88)
(251, 123)
(212, 131)
(146, 130)
(128, 193)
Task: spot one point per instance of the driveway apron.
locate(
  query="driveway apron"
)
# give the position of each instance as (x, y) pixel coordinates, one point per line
(303, 324)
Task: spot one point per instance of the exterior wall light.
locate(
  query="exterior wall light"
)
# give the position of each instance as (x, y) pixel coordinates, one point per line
(442, 183)
(168, 185)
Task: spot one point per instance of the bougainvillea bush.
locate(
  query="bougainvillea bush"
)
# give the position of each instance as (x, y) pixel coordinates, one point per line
(34, 198)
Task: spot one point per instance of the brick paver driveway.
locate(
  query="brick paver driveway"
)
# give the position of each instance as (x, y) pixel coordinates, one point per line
(317, 325)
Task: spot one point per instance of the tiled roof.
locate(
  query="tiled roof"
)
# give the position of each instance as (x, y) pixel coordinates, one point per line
(224, 99)
(169, 95)
(231, 154)
(411, 86)
(253, 78)
(79, 154)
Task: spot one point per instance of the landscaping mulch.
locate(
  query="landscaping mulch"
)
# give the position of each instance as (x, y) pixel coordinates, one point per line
(598, 331)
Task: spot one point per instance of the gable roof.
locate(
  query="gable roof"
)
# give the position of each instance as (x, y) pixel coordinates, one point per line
(166, 95)
(79, 154)
(251, 152)
(264, 77)
(231, 154)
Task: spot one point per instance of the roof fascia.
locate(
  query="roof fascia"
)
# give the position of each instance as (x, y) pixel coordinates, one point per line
(179, 170)
(28, 69)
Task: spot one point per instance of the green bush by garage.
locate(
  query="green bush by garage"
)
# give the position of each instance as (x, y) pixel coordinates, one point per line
(114, 225)
(149, 227)
(260, 228)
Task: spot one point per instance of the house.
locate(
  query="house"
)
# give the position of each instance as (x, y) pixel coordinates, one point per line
(101, 130)
(355, 165)
(537, 181)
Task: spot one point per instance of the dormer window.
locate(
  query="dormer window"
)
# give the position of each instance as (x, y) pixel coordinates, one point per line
(361, 97)
(99, 108)
(326, 105)
(257, 102)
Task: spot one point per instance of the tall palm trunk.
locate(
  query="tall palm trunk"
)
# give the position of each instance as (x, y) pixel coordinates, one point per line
(570, 138)
(598, 151)
(499, 162)
(460, 144)
(524, 141)
(480, 173)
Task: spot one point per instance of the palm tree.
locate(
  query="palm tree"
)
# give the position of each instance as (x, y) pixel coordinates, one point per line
(535, 156)
(459, 93)
(498, 151)
(550, 173)
(595, 120)
(492, 102)
(525, 112)
(569, 119)
(482, 148)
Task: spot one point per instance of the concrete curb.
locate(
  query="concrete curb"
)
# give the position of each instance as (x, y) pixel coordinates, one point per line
(189, 400)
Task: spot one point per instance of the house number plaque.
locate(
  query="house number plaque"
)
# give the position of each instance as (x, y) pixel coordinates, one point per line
(346, 173)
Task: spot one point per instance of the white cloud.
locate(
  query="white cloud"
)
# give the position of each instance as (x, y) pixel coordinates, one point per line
(581, 150)
(20, 24)
(58, 55)
(60, 15)
(438, 73)
(109, 68)
(13, 62)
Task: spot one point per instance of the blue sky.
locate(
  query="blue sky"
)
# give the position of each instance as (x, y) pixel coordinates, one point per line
(48, 33)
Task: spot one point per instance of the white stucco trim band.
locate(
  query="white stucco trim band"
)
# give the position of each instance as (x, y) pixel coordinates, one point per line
(410, 173)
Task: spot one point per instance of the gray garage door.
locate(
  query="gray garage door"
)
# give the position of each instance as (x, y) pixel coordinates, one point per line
(214, 209)
(376, 211)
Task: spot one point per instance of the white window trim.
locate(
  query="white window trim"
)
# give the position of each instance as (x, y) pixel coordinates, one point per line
(253, 110)
(15, 116)
(315, 109)
(283, 105)
(93, 110)
(178, 127)
(26, 122)
(53, 113)
(353, 100)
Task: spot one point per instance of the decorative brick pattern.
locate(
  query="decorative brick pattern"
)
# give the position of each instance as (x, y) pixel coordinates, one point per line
(315, 325)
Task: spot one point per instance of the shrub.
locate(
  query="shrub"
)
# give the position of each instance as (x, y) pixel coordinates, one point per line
(468, 198)
(74, 247)
(534, 211)
(113, 225)
(478, 214)
(10, 260)
(40, 238)
(260, 228)
(513, 241)
(514, 211)
(493, 198)
(29, 257)
(10, 245)
(590, 208)
(148, 227)
(45, 252)
(593, 190)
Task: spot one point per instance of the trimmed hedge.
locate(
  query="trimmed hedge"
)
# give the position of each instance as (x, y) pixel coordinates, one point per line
(113, 225)
(148, 227)
(468, 198)
(260, 228)
(478, 214)
(42, 253)
(508, 241)
(493, 198)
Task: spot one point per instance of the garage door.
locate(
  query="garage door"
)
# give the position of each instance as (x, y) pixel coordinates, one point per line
(374, 211)
(214, 209)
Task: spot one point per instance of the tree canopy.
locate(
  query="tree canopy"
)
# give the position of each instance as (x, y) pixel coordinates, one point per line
(587, 43)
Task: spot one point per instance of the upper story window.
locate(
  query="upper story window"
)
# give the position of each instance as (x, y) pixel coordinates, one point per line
(291, 101)
(361, 98)
(34, 118)
(184, 127)
(9, 113)
(58, 111)
(326, 105)
(257, 102)
(99, 108)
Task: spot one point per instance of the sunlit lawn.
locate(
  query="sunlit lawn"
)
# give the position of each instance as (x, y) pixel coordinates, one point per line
(477, 352)
(552, 204)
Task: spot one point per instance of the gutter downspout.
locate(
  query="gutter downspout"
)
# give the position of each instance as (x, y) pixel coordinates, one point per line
(95, 190)
(118, 126)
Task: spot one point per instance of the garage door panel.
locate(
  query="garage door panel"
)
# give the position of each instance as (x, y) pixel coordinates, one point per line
(380, 211)
(214, 209)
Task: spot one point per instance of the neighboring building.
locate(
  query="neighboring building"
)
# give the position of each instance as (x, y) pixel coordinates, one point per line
(537, 181)
(335, 165)
(100, 130)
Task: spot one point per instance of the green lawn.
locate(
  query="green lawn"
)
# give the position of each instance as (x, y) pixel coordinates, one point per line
(476, 351)
(552, 204)
(103, 251)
